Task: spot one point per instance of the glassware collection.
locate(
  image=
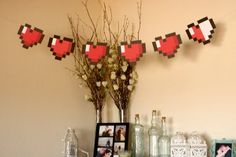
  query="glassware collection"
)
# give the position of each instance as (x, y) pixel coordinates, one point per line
(160, 143)
(163, 145)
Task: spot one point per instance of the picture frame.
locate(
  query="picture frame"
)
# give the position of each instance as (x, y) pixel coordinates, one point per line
(110, 139)
(225, 148)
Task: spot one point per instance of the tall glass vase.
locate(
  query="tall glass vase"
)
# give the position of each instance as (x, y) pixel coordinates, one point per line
(123, 114)
(99, 116)
(99, 107)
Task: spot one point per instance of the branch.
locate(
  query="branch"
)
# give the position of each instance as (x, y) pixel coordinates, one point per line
(90, 18)
(139, 9)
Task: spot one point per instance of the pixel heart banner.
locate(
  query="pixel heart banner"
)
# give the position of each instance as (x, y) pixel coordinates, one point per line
(30, 37)
(95, 52)
(133, 51)
(168, 46)
(61, 47)
(201, 32)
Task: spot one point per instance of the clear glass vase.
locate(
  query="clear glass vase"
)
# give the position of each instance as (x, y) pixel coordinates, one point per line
(98, 116)
(123, 114)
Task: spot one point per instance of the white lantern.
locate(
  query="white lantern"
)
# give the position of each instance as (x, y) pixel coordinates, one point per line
(198, 146)
(179, 146)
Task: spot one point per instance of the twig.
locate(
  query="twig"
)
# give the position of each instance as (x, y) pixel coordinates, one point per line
(139, 10)
(85, 3)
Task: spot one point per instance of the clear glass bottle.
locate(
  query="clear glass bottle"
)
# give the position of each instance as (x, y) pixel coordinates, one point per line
(154, 133)
(138, 138)
(71, 143)
(164, 141)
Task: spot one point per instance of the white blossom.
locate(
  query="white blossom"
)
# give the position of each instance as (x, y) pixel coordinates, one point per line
(84, 77)
(110, 60)
(123, 77)
(115, 87)
(113, 75)
(115, 66)
(104, 83)
(92, 67)
(98, 83)
(99, 66)
(130, 87)
(125, 63)
(124, 68)
(131, 81)
(134, 75)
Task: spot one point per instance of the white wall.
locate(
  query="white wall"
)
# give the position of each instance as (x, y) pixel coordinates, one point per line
(40, 98)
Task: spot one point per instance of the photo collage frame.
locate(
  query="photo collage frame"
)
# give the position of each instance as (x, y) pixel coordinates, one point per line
(111, 138)
(223, 148)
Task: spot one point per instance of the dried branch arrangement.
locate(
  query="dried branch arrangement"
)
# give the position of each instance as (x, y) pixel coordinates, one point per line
(112, 75)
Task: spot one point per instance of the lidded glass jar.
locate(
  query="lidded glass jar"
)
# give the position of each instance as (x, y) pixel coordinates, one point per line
(178, 138)
(179, 146)
(195, 138)
(198, 146)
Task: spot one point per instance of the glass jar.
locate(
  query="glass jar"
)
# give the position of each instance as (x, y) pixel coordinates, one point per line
(178, 138)
(198, 146)
(179, 146)
(195, 138)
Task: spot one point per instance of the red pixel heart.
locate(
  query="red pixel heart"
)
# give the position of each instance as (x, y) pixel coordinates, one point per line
(201, 32)
(95, 52)
(30, 37)
(168, 46)
(132, 52)
(61, 48)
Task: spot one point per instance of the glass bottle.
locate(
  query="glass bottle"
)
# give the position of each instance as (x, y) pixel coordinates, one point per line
(164, 141)
(138, 138)
(154, 133)
(71, 143)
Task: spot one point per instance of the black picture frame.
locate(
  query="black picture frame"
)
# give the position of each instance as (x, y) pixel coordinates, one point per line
(110, 139)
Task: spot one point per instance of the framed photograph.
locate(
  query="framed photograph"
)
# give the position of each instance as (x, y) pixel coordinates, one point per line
(111, 138)
(223, 148)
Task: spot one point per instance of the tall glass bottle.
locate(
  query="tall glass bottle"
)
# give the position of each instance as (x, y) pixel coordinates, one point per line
(71, 143)
(154, 133)
(164, 141)
(138, 138)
